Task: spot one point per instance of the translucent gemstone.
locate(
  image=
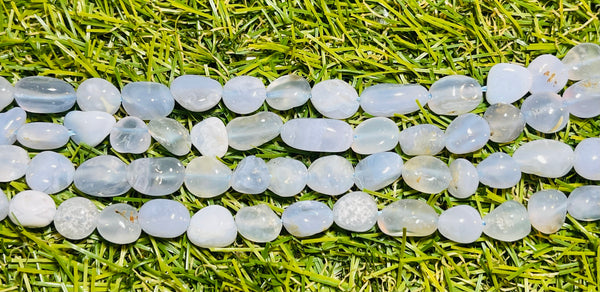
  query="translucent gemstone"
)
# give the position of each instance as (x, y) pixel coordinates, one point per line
(465, 178)
(584, 203)
(212, 226)
(258, 223)
(507, 83)
(455, 95)
(207, 177)
(545, 158)
(171, 135)
(307, 218)
(43, 136)
(32, 209)
(251, 176)
(461, 224)
(545, 112)
(102, 176)
(40, 94)
(499, 171)
(506, 122)
(425, 139)
(147, 100)
(14, 161)
(587, 158)
(6, 93)
(245, 133)
(547, 210)
(288, 176)
(287, 92)
(97, 94)
(378, 170)
(210, 137)
(130, 135)
(330, 175)
(387, 99)
(49, 172)
(317, 135)
(10, 122)
(426, 174)
(583, 61)
(244, 94)
(334, 99)
(76, 218)
(548, 74)
(508, 222)
(164, 218)
(583, 98)
(156, 176)
(3, 205)
(375, 135)
(356, 212)
(196, 93)
(89, 128)
(118, 223)
(467, 133)
(416, 216)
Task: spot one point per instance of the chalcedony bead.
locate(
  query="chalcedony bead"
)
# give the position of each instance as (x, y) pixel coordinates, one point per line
(506, 122)
(130, 135)
(583, 61)
(147, 100)
(97, 94)
(244, 94)
(6, 93)
(499, 170)
(467, 133)
(251, 176)
(102, 176)
(258, 223)
(76, 218)
(548, 74)
(461, 224)
(545, 112)
(40, 94)
(307, 218)
(287, 92)
(89, 128)
(32, 209)
(210, 137)
(375, 135)
(426, 174)
(583, 203)
(388, 99)
(207, 177)
(508, 222)
(10, 123)
(212, 226)
(545, 158)
(547, 210)
(317, 135)
(425, 139)
(49, 172)
(119, 224)
(418, 218)
(14, 161)
(583, 98)
(196, 93)
(245, 133)
(171, 134)
(507, 83)
(288, 176)
(356, 212)
(43, 136)
(587, 158)
(454, 95)
(3, 205)
(465, 179)
(334, 99)
(164, 218)
(377, 171)
(156, 176)
(330, 175)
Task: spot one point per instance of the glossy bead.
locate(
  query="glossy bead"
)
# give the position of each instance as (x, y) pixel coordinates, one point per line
(375, 135)
(130, 135)
(506, 122)
(583, 98)
(377, 171)
(454, 95)
(461, 224)
(245, 133)
(508, 222)
(49, 172)
(40, 94)
(425, 139)
(102, 176)
(244, 94)
(287, 92)
(507, 83)
(4, 204)
(387, 99)
(584, 202)
(10, 123)
(147, 100)
(356, 212)
(119, 224)
(171, 134)
(330, 175)
(6, 93)
(164, 218)
(416, 216)
(258, 223)
(317, 135)
(210, 137)
(583, 61)
(288, 176)
(251, 176)
(207, 177)
(465, 178)
(545, 112)
(76, 218)
(548, 74)
(89, 128)
(499, 171)
(14, 161)
(545, 158)
(212, 226)
(467, 133)
(334, 99)
(156, 176)
(307, 218)
(43, 136)
(196, 93)
(547, 210)
(587, 158)
(426, 174)
(97, 94)
(32, 209)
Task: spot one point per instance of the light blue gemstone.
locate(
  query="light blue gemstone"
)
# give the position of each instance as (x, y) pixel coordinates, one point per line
(210, 137)
(244, 94)
(40, 94)
(547, 210)
(387, 99)
(76, 218)
(426, 174)
(102, 176)
(288, 176)
(164, 218)
(207, 177)
(10, 122)
(425, 139)
(334, 99)
(171, 135)
(6, 93)
(467, 133)
(330, 175)
(97, 94)
(506, 122)
(196, 93)
(49, 172)
(130, 135)
(245, 133)
(460, 224)
(508, 222)
(507, 83)
(548, 73)
(414, 216)
(287, 92)
(375, 135)
(307, 218)
(583, 98)
(584, 203)
(43, 136)
(89, 128)
(156, 176)
(465, 178)
(583, 61)
(14, 161)
(147, 100)
(119, 224)
(454, 95)
(251, 176)
(545, 158)
(545, 112)
(587, 158)
(258, 223)
(212, 226)
(377, 171)
(356, 212)
(317, 135)
(499, 171)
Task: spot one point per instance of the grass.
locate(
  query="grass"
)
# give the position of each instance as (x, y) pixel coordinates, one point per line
(362, 42)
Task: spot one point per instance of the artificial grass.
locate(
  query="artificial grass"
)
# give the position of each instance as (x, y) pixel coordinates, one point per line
(362, 42)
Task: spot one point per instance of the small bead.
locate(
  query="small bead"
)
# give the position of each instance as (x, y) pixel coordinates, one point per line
(506, 122)
(467, 133)
(545, 112)
(245, 133)
(387, 99)
(287, 92)
(418, 218)
(196, 93)
(40, 94)
(244, 94)
(377, 171)
(6, 93)
(164, 218)
(545, 158)
(548, 74)
(356, 212)
(258, 223)
(14, 161)
(583, 98)
(426, 174)
(156, 176)
(508, 222)
(507, 83)
(465, 179)
(102, 176)
(147, 100)
(97, 94)
(210, 137)
(454, 95)
(119, 224)
(90, 128)
(330, 175)
(49, 172)
(335, 99)
(425, 139)
(43, 136)
(583, 203)
(207, 177)
(547, 210)
(4, 204)
(375, 135)
(76, 218)
(288, 176)
(587, 159)
(10, 123)
(171, 135)
(32, 209)
(499, 171)
(317, 135)
(212, 226)
(251, 176)
(130, 135)
(583, 61)
(307, 218)
(461, 224)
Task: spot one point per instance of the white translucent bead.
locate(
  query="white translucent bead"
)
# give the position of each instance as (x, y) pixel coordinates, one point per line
(506, 122)
(147, 100)
(548, 74)
(377, 171)
(583, 98)
(14, 161)
(171, 134)
(584, 203)
(40, 94)
(499, 170)
(102, 176)
(196, 93)
(508, 222)
(545, 112)
(210, 137)
(583, 61)
(43, 136)
(76, 218)
(426, 174)
(97, 94)
(465, 179)
(317, 135)
(258, 223)
(164, 218)
(156, 176)
(49, 172)
(119, 224)
(461, 224)
(545, 158)
(287, 92)
(547, 210)
(207, 177)
(425, 139)
(10, 123)
(307, 218)
(587, 158)
(454, 95)
(244, 94)
(375, 135)
(6, 93)
(130, 135)
(334, 99)
(387, 99)
(245, 133)
(251, 176)
(288, 176)
(89, 128)
(212, 226)
(4, 204)
(330, 175)
(418, 218)
(507, 83)
(356, 212)
(32, 209)
(467, 133)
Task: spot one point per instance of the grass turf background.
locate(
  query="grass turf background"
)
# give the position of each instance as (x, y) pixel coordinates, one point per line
(362, 42)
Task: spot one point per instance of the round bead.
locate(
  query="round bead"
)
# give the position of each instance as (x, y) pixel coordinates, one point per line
(251, 176)
(164, 218)
(547, 210)
(356, 212)
(467, 133)
(130, 135)
(287, 92)
(97, 94)
(6, 93)
(377, 171)
(583, 98)
(545, 158)
(14, 161)
(10, 123)
(40, 94)
(506, 122)
(548, 74)
(587, 158)
(210, 137)
(258, 223)
(147, 100)
(119, 224)
(330, 175)
(171, 135)
(102, 176)
(212, 226)
(317, 135)
(196, 93)
(49, 172)
(244, 94)
(4, 204)
(335, 99)
(454, 95)
(461, 224)
(465, 178)
(76, 218)
(387, 99)
(32, 209)
(499, 171)
(418, 218)
(375, 135)
(245, 133)
(545, 112)
(583, 61)
(89, 128)
(583, 203)
(288, 176)
(508, 222)
(156, 176)
(425, 139)
(426, 174)
(207, 177)
(507, 83)
(307, 218)
(43, 136)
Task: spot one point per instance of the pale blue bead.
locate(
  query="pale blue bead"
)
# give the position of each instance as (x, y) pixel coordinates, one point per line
(43, 136)
(245, 133)
(156, 176)
(507, 83)
(14, 161)
(89, 128)
(76, 218)
(32, 209)
(461, 224)
(102, 176)
(467, 133)
(334, 99)
(499, 170)
(164, 218)
(377, 171)
(3, 205)
(171, 134)
(587, 158)
(465, 179)
(547, 210)
(97, 94)
(6, 93)
(287, 92)
(426, 174)
(508, 222)
(545, 158)
(251, 176)
(119, 224)
(49, 172)
(244, 94)
(506, 122)
(375, 135)
(387, 99)
(545, 112)
(317, 135)
(414, 216)
(10, 122)
(40, 94)
(548, 74)
(207, 177)
(288, 176)
(212, 226)
(147, 100)
(583, 98)
(583, 61)
(196, 93)
(258, 223)
(330, 175)
(356, 212)
(210, 137)
(130, 135)
(454, 95)
(584, 203)
(307, 218)
(425, 139)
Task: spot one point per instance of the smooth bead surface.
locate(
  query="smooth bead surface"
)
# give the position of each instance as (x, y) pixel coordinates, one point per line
(499, 170)
(147, 100)
(375, 135)
(548, 74)
(507, 83)
(584, 203)
(212, 226)
(547, 210)
(454, 95)
(171, 134)
(97, 94)
(6, 93)
(102, 176)
(245, 133)
(377, 171)
(416, 216)
(425, 139)
(467, 133)
(43, 136)
(317, 135)
(164, 218)
(508, 222)
(119, 224)
(251, 176)
(506, 122)
(288, 176)
(583, 98)
(10, 123)
(156, 176)
(545, 158)
(210, 137)
(207, 177)
(461, 224)
(130, 135)
(545, 112)
(356, 212)
(583, 61)
(76, 218)
(465, 178)
(196, 93)
(32, 209)
(306, 218)
(587, 158)
(49, 172)
(89, 128)
(244, 94)
(387, 99)
(330, 175)
(40, 94)
(426, 174)
(287, 92)
(335, 99)
(3, 205)
(14, 161)
(258, 223)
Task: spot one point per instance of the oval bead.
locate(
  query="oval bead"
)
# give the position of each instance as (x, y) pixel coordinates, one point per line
(210, 137)
(583, 61)
(49, 172)
(212, 226)
(416, 216)
(465, 179)
(377, 171)
(10, 123)
(97, 94)
(547, 210)
(387, 99)
(89, 128)
(334, 99)
(258, 223)
(76, 218)
(6, 93)
(499, 171)
(102, 176)
(545, 158)
(287, 92)
(317, 135)
(545, 112)
(330, 175)
(288, 176)
(587, 158)
(583, 98)
(356, 212)
(147, 100)
(245, 133)
(196, 93)
(130, 135)
(32, 209)
(425, 139)
(584, 203)
(207, 177)
(119, 224)
(43, 136)
(375, 135)
(171, 134)
(507, 83)
(426, 174)
(45, 95)
(506, 122)
(508, 222)
(164, 218)
(251, 176)
(306, 218)
(461, 224)
(467, 133)
(454, 95)
(156, 176)
(244, 94)
(14, 161)
(548, 74)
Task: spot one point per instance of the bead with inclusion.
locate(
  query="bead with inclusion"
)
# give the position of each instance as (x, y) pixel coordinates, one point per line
(548, 74)
(43, 136)
(583, 98)
(583, 203)
(76, 218)
(130, 135)
(210, 137)
(454, 95)
(356, 212)
(10, 123)
(14, 161)
(425, 139)
(196, 93)
(245, 133)
(545, 112)
(547, 210)
(507, 83)
(499, 170)
(244, 94)
(545, 158)
(164, 218)
(44, 95)
(583, 61)
(388, 99)
(288, 176)
(49, 172)
(426, 174)
(89, 128)
(418, 218)
(258, 223)
(506, 122)
(287, 92)
(467, 133)
(119, 224)
(3, 205)
(375, 135)
(377, 171)
(461, 224)
(251, 176)
(334, 99)
(317, 135)
(171, 134)
(587, 158)
(32, 209)
(465, 178)
(330, 175)
(102, 176)
(97, 94)
(508, 222)
(6, 93)
(212, 226)
(156, 176)
(207, 177)
(147, 100)
(307, 218)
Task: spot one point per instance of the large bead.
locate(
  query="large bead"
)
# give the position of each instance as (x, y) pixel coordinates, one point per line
(547, 210)
(287, 92)
(465, 179)
(119, 224)
(14, 161)
(454, 95)
(164, 218)
(196, 93)
(548, 74)
(507, 83)
(156, 176)
(425, 139)
(288, 176)
(210, 137)
(76, 218)
(245, 133)
(317, 135)
(6, 93)
(43, 136)
(258, 223)
(545, 158)
(251, 176)
(583, 61)
(10, 123)
(32, 209)
(97, 94)
(377, 171)
(171, 134)
(130, 135)
(207, 177)
(375, 135)
(212, 226)
(307, 218)
(584, 203)
(40, 94)
(587, 158)
(244, 94)
(508, 222)
(583, 98)
(330, 175)
(102, 176)
(89, 127)
(356, 212)
(545, 112)
(147, 100)
(461, 224)
(506, 122)
(387, 99)
(499, 171)
(49, 172)
(335, 99)
(426, 174)
(418, 218)
(467, 133)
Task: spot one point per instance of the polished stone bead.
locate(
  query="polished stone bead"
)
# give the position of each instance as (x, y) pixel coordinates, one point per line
(49, 172)
(258, 223)
(171, 134)
(32, 209)
(547, 210)
(548, 74)
(375, 135)
(454, 95)
(426, 174)
(587, 158)
(425, 139)
(212, 226)
(130, 135)
(584, 203)
(10, 123)
(6, 93)
(307, 218)
(97, 94)
(461, 224)
(356, 212)
(102, 176)
(210, 137)
(467, 133)
(244, 94)
(89, 128)
(506, 122)
(164, 218)
(251, 176)
(508, 222)
(76, 218)
(119, 224)
(583, 98)
(418, 218)
(388, 99)
(40, 94)
(545, 112)
(43, 136)
(147, 100)
(334, 99)
(583, 61)
(14, 161)
(207, 177)
(499, 170)
(245, 133)
(545, 158)
(377, 171)
(4, 204)
(196, 93)
(330, 175)
(288, 176)
(507, 83)
(287, 92)
(156, 176)
(317, 135)
(465, 178)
